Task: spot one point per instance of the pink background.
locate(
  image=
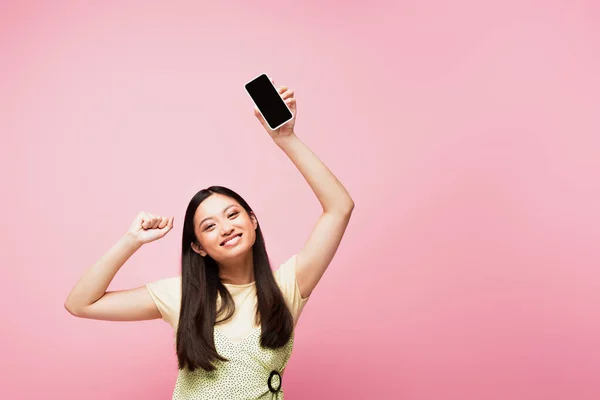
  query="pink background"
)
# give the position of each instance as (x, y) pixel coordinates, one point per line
(467, 133)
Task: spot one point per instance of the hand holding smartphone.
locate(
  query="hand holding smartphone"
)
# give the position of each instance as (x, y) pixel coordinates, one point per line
(268, 101)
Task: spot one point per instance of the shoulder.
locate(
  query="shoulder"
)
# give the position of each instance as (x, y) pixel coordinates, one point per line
(171, 284)
(166, 294)
(286, 272)
(166, 290)
(285, 276)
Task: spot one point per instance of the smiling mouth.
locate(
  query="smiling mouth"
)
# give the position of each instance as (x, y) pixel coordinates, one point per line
(233, 238)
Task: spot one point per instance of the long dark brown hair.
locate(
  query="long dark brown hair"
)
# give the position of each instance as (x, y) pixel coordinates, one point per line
(200, 284)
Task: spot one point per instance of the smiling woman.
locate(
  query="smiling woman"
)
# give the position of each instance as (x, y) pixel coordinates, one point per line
(232, 315)
(233, 221)
(229, 295)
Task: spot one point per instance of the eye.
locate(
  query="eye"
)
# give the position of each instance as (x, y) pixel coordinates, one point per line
(229, 216)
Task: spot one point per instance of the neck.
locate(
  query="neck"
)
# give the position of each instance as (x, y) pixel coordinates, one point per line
(239, 271)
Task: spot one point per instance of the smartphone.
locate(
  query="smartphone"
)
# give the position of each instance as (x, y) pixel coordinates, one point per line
(269, 102)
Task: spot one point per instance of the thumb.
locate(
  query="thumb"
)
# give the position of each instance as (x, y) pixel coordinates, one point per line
(258, 115)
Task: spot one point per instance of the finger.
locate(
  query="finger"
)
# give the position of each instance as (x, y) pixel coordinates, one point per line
(156, 221)
(150, 221)
(282, 89)
(145, 220)
(168, 226)
(287, 93)
(163, 222)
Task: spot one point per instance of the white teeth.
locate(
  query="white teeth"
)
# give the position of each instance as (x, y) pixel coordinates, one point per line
(232, 240)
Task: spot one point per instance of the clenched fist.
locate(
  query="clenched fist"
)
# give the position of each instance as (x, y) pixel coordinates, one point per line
(147, 228)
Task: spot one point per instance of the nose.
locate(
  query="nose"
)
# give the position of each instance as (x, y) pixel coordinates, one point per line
(226, 228)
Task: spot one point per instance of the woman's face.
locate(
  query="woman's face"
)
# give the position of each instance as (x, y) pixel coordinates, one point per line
(219, 218)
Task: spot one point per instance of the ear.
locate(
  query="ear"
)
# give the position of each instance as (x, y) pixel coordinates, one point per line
(254, 220)
(198, 249)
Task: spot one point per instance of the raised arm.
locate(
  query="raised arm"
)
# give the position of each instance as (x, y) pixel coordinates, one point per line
(89, 298)
(316, 255)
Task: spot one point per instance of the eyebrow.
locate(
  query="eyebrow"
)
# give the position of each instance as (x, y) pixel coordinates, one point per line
(224, 211)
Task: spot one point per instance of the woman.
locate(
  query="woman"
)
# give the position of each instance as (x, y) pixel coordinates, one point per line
(233, 316)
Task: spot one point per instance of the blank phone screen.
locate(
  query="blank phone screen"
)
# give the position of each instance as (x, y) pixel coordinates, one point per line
(268, 101)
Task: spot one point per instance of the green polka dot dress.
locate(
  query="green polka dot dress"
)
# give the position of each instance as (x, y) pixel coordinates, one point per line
(252, 372)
